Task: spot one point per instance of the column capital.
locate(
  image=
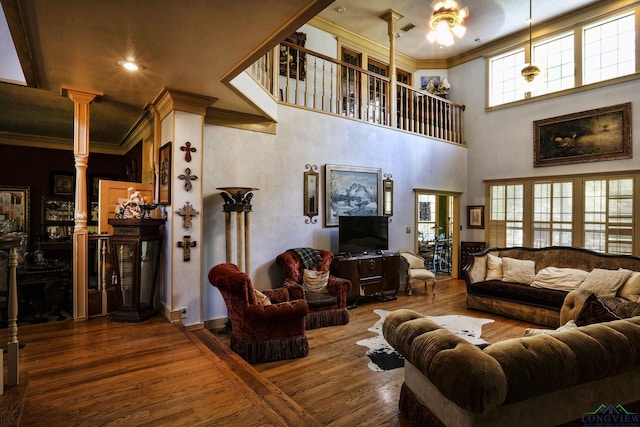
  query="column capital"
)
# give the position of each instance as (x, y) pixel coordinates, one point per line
(81, 96)
(170, 100)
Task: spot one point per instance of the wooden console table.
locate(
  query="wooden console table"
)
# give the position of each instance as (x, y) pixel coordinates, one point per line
(370, 275)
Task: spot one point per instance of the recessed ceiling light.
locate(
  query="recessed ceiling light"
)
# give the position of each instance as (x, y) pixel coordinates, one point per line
(129, 65)
(341, 9)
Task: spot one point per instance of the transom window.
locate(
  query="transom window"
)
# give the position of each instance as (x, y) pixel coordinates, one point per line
(608, 51)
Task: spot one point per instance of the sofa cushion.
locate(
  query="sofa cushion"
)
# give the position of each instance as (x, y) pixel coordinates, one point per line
(518, 270)
(603, 282)
(518, 292)
(566, 279)
(630, 290)
(494, 267)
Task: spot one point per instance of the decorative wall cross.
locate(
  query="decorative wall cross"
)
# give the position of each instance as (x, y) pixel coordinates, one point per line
(186, 246)
(187, 211)
(187, 177)
(188, 150)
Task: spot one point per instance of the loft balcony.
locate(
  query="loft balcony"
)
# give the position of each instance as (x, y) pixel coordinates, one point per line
(300, 77)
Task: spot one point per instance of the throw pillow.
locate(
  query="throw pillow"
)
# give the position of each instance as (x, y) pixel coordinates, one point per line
(315, 281)
(567, 326)
(494, 267)
(518, 270)
(594, 311)
(562, 279)
(261, 299)
(603, 282)
(631, 288)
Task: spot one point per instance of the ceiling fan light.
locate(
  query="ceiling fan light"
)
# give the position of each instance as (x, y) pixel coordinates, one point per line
(459, 30)
(445, 39)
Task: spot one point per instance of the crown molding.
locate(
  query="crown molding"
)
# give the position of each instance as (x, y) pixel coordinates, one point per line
(53, 143)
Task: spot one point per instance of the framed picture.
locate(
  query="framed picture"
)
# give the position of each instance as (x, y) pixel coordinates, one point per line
(351, 191)
(164, 187)
(588, 136)
(95, 185)
(475, 216)
(292, 59)
(62, 183)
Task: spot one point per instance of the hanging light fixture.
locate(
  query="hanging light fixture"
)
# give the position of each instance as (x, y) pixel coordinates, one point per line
(446, 21)
(530, 71)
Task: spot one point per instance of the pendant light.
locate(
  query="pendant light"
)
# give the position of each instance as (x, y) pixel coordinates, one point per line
(530, 71)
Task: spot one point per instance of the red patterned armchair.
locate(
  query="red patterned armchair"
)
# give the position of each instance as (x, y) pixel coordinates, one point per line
(260, 333)
(327, 308)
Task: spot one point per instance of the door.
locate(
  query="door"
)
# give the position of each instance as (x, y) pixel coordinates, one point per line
(110, 193)
(437, 229)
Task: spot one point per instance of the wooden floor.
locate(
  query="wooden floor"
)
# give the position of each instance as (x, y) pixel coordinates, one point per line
(160, 374)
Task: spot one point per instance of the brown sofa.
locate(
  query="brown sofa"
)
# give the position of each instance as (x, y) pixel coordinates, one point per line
(542, 380)
(551, 307)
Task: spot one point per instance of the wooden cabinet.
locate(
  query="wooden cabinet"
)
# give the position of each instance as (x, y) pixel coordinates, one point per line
(370, 275)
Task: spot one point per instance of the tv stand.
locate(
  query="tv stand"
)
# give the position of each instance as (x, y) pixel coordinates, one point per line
(371, 275)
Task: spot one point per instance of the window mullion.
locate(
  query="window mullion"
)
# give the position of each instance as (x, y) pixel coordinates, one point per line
(577, 55)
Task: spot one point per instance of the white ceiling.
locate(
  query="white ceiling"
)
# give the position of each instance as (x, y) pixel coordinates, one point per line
(488, 21)
(191, 45)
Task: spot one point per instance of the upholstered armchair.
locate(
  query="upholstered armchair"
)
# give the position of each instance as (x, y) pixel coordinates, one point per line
(260, 333)
(416, 271)
(327, 307)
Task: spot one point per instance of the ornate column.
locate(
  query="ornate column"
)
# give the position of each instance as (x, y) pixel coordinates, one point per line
(81, 101)
(238, 200)
(392, 17)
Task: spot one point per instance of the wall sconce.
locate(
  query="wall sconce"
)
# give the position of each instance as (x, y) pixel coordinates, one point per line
(387, 195)
(311, 194)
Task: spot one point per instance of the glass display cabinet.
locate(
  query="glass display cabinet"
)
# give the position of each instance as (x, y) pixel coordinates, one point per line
(57, 219)
(135, 247)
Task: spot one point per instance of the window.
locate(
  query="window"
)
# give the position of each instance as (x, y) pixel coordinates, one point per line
(506, 83)
(506, 215)
(608, 215)
(555, 57)
(427, 218)
(377, 92)
(350, 88)
(552, 214)
(609, 49)
(591, 211)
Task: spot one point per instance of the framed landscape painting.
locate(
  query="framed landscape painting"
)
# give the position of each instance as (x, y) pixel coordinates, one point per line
(351, 191)
(588, 136)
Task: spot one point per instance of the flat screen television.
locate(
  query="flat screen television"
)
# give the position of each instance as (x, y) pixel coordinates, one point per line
(363, 234)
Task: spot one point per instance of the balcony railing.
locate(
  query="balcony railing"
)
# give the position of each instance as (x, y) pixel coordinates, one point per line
(312, 80)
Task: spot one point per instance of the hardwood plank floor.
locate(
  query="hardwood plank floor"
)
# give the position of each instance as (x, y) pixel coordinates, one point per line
(100, 372)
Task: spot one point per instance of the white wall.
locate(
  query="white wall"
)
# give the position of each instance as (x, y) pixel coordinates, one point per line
(276, 163)
(500, 143)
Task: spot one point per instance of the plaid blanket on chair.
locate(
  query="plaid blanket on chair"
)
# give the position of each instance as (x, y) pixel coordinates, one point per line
(308, 256)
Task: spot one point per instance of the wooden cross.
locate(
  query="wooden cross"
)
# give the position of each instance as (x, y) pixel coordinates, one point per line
(187, 147)
(186, 246)
(187, 177)
(187, 211)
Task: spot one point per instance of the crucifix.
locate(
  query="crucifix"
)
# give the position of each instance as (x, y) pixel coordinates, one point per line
(186, 244)
(188, 150)
(187, 211)
(187, 177)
